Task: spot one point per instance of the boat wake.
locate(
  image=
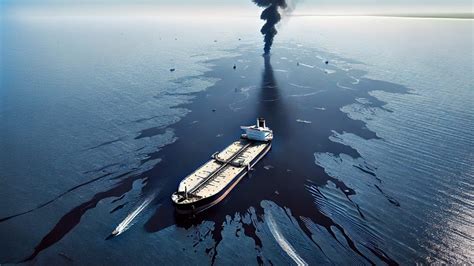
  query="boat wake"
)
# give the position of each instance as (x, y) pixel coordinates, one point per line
(282, 242)
(127, 222)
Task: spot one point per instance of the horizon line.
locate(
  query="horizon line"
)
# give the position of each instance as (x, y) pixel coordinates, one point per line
(120, 12)
(451, 15)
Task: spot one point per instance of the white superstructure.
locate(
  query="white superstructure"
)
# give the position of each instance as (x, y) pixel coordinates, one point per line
(210, 183)
(258, 132)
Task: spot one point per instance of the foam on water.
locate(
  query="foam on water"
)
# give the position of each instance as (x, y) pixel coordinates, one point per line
(127, 222)
(284, 244)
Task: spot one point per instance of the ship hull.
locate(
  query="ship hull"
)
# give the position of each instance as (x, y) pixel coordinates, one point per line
(206, 203)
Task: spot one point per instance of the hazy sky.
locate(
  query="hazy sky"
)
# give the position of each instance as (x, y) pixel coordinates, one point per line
(302, 6)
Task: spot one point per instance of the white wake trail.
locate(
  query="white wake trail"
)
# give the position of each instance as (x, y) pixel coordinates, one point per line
(281, 240)
(127, 222)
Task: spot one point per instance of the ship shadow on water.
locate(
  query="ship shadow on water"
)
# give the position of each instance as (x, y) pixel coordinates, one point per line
(281, 176)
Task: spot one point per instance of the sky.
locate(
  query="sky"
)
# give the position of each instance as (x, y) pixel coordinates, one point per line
(169, 7)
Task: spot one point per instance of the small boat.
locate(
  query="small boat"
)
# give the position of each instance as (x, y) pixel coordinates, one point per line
(211, 183)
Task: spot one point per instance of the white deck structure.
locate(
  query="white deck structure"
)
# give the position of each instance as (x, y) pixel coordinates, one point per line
(216, 174)
(210, 183)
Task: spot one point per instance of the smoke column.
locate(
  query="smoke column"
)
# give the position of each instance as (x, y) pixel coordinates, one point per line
(271, 15)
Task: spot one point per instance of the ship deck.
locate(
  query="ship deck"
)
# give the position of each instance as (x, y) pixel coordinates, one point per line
(216, 174)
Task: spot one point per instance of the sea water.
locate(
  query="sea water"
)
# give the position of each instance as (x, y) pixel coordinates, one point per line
(88, 103)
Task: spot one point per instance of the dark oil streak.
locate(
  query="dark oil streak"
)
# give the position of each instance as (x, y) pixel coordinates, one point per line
(54, 199)
(73, 217)
(365, 171)
(177, 161)
(118, 199)
(150, 132)
(101, 168)
(278, 115)
(389, 198)
(305, 229)
(350, 243)
(381, 255)
(118, 207)
(104, 144)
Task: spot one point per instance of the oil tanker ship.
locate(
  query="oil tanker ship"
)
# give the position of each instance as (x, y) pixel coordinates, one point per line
(211, 183)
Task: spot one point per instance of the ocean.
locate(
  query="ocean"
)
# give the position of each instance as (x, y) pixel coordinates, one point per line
(372, 161)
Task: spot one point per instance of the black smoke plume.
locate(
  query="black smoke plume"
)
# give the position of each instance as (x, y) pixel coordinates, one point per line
(271, 15)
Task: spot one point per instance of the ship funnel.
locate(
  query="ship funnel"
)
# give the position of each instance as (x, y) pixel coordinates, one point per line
(261, 122)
